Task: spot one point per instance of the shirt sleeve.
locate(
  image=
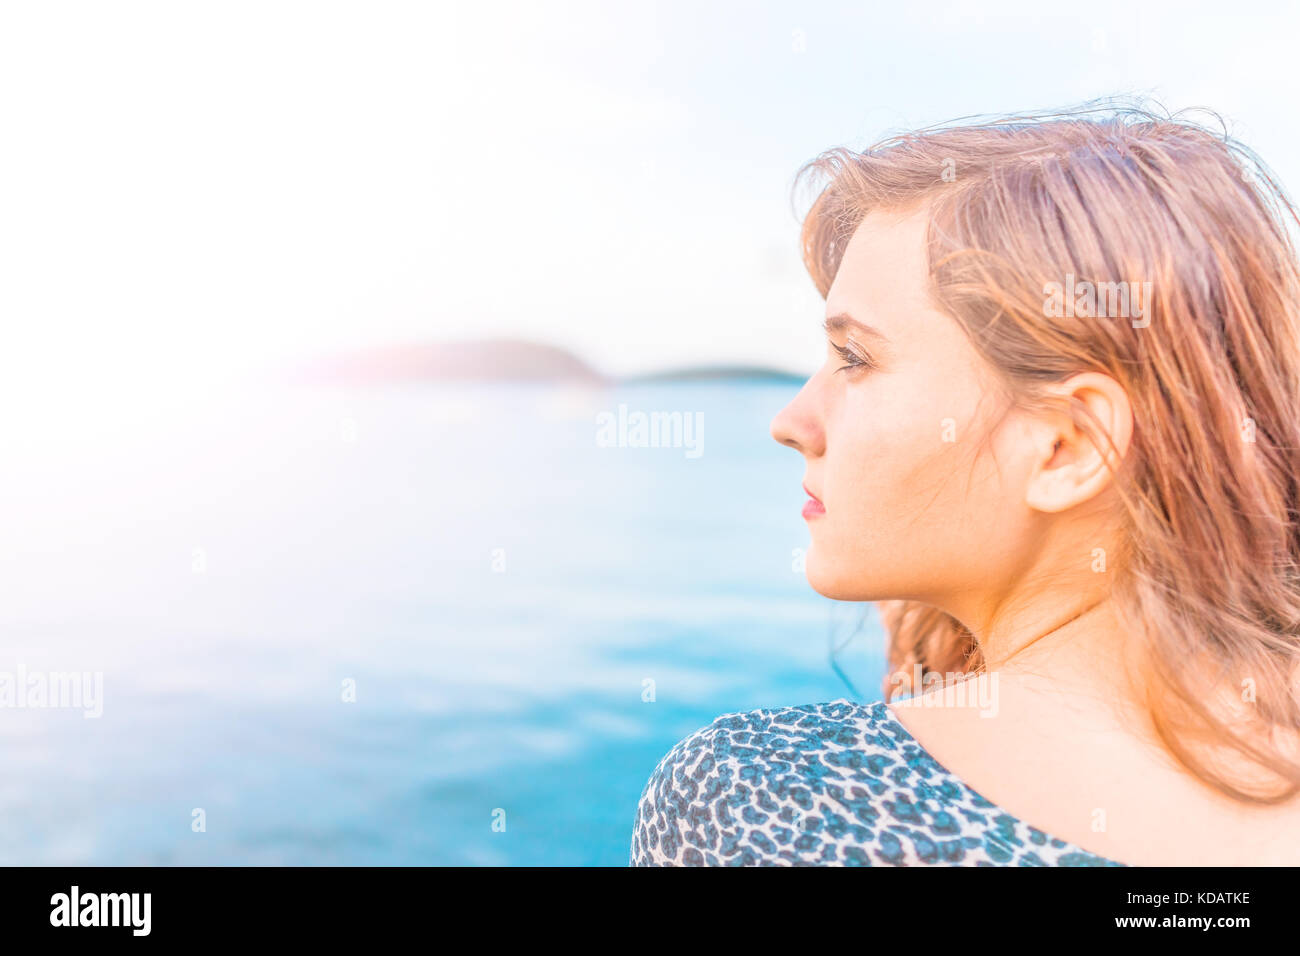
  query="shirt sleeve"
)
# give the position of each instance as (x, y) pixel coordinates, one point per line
(674, 823)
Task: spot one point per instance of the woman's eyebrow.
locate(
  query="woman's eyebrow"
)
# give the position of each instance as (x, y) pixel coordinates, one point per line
(842, 320)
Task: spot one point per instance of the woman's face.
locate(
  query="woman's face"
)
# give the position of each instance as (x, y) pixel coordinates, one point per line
(915, 505)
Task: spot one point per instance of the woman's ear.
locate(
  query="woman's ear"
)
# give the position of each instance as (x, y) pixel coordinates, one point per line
(1068, 469)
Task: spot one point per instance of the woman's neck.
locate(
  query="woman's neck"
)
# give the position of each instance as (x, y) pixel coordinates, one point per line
(1077, 648)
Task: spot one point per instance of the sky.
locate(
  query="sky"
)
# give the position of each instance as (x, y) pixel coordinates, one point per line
(190, 188)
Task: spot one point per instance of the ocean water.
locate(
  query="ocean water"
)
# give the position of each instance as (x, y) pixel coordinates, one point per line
(397, 625)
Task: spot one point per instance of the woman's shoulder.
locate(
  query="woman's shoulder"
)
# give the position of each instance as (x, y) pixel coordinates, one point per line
(789, 740)
(835, 783)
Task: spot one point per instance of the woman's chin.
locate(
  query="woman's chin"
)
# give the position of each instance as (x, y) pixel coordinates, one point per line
(832, 581)
(847, 582)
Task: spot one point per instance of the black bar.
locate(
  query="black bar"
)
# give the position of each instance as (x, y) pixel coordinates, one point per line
(245, 905)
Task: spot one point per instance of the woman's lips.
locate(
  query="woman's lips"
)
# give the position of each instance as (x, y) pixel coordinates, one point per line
(814, 507)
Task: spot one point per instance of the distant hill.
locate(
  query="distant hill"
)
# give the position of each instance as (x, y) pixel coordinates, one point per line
(479, 360)
(713, 373)
(502, 360)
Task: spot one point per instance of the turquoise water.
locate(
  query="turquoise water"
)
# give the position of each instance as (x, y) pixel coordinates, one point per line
(497, 589)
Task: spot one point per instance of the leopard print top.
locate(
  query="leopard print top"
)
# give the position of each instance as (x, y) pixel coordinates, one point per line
(825, 784)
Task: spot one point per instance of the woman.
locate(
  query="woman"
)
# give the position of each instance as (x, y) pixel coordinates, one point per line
(1057, 436)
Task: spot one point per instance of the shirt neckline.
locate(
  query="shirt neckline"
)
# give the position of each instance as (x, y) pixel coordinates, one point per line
(881, 710)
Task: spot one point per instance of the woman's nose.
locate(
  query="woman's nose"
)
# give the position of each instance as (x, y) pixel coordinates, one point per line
(799, 423)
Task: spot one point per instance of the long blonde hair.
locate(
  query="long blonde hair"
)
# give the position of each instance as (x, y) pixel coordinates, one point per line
(1210, 486)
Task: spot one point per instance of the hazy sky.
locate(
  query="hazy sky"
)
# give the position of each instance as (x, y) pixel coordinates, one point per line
(193, 186)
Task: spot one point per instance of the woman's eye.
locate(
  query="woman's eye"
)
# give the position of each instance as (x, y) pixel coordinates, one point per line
(852, 359)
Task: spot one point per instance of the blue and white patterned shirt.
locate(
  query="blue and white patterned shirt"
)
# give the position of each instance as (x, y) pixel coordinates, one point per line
(835, 784)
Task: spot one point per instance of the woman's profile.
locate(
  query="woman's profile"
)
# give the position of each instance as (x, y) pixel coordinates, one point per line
(1056, 440)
